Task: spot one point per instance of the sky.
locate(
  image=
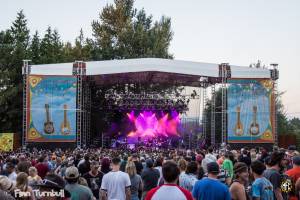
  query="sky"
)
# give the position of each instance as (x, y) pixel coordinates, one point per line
(235, 31)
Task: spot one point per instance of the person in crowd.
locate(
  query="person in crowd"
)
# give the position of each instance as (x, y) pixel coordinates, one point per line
(138, 164)
(228, 165)
(116, 184)
(221, 158)
(273, 173)
(84, 165)
(94, 178)
(208, 159)
(210, 188)
(23, 164)
(42, 166)
(245, 157)
(150, 177)
(297, 188)
(189, 178)
(200, 173)
(11, 172)
(289, 156)
(158, 165)
(182, 164)
(170, 189)
(136, 187)
(22, 186)
(33, 178)
(124, 163)
(262, 188)
(294, 174)
(262, 155)
(237, 188)
(105, 165)
(82, 181)
(6, 188)
(53, 182)
(76, 190)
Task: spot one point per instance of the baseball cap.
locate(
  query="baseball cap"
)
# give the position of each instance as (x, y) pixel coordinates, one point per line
(296, 160)
(55, 182)
(213, 167)
(71, 173)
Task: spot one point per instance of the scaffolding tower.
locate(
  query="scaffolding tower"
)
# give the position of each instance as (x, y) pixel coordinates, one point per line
(213, 116)
(79, 70)
(26, 69)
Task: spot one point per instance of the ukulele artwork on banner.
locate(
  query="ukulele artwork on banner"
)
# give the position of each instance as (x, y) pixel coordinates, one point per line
(239, 126)
(254, 127)
(48, 124)
(65, 126)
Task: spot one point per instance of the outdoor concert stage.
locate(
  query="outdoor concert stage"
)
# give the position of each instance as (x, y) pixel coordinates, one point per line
(148, 101)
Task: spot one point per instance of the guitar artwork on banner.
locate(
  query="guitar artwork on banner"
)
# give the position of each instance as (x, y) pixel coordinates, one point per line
(65, 126)
(239, 128)
(254, 127)
(48, 124)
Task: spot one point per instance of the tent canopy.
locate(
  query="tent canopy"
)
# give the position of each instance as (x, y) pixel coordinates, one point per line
(150, 69)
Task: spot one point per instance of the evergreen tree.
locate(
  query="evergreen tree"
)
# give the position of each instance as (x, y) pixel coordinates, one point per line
(124, 32)
(84, 48)
(35, 48)
(57, 47)
(16, 48)
(47, 47)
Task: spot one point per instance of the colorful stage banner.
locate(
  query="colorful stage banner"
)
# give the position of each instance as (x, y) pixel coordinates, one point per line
(250, 111)
(6, 141)
(52, 109)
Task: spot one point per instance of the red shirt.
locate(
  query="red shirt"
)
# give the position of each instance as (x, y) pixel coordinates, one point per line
(294, 174)
(167, 192)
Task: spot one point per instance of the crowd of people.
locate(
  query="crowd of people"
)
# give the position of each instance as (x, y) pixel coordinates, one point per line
(148, 174)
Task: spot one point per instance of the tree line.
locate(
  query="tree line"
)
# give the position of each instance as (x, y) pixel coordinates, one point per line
(121, 31)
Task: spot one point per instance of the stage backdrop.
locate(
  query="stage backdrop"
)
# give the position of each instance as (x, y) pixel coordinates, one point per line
(250, 112)
(51, 109)
(6, 141)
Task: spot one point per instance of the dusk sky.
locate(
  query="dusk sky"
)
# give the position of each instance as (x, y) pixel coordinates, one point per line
(235, 31)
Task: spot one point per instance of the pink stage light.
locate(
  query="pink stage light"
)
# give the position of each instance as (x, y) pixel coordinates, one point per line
(148, 126)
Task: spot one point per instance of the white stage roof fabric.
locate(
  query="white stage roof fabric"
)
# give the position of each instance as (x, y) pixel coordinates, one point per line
(150, 65)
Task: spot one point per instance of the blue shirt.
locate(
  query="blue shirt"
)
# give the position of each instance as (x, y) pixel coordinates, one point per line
(210, 189)
(262, 188)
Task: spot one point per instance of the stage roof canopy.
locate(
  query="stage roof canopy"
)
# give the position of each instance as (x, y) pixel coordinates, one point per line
(151, 66)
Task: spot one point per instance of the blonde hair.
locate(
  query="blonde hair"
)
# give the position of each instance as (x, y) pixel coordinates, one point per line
(82, 181)
(130, 168)
(182, 164)
(32, 169)
(22, 181)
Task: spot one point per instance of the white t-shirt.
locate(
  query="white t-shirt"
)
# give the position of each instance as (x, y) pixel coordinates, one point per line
(115, 183)
(12, 176)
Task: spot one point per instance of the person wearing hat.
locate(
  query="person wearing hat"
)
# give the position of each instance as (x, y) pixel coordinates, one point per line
(237, 188)
(6, 187)
(94, 178)
(52, 182)
(210, 188)
(294, 175)
(150, 177)
(77, 191)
